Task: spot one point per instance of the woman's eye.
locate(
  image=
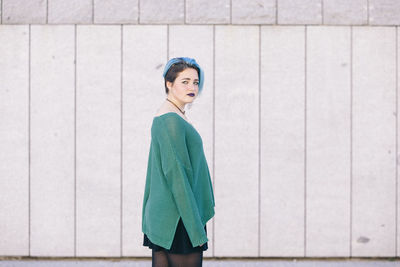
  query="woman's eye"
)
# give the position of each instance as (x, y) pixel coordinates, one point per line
(196, 83)
(185, 82)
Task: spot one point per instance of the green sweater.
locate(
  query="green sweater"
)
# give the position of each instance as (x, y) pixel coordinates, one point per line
(178, 183)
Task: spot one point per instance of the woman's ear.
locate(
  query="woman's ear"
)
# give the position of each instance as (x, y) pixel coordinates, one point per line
(169, 85)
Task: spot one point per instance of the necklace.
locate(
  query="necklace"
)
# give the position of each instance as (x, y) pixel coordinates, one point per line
(183, 112)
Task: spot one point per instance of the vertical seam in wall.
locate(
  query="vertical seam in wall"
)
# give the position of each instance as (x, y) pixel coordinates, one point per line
(138, 20)
(29, 140)
(121, 139)
(184, 12)
(213, 139)
(92, 11)
(397, 89)
(75, 96)
(351, 140)
(230, 12)
(47, 11)
(305, 140)
(276, 12)
(259, 140)
(167, 42)
(322, 12)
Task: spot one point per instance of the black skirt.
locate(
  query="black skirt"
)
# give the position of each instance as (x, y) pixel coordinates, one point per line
(181, 243)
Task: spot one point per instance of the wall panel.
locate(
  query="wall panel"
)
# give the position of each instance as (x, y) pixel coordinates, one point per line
(328, 141)
(282, 141)
(374, 142)
(14, 140)
(236, 140)
(98, 141)
(52, 141)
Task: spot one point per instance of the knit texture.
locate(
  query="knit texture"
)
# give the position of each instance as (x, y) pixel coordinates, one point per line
(178, 182)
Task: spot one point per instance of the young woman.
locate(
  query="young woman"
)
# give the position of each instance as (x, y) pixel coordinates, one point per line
(178, 198)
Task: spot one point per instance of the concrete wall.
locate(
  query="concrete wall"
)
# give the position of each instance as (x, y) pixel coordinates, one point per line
(330, 12)
(299, 123)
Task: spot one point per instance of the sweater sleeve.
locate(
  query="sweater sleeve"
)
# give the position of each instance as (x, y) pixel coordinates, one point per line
(176, 165)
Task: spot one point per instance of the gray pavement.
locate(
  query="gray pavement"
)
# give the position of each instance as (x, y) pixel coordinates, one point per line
(207, 263)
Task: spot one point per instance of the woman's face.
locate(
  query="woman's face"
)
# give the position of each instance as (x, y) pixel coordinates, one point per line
(185, 87)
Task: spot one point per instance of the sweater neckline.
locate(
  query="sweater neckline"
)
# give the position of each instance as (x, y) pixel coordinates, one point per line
(172, 113)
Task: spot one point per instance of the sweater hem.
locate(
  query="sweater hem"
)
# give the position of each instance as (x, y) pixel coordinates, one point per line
(208, 217)
(158, 240)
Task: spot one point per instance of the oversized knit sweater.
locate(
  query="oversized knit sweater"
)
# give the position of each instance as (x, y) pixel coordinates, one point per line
(178, 182)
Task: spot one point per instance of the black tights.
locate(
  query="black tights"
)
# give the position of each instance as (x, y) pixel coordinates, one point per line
(165, 259)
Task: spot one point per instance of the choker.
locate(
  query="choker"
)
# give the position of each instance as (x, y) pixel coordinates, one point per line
(183, 112)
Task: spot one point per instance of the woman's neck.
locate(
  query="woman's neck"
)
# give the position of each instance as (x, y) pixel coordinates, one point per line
(176, 102)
